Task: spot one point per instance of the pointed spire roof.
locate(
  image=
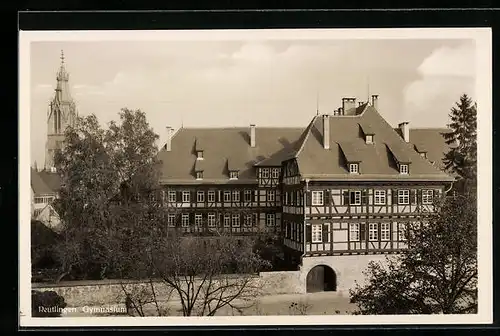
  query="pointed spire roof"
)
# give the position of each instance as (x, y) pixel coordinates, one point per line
(62, 89)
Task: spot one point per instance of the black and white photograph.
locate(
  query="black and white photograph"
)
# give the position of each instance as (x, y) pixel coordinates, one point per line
(312, 177)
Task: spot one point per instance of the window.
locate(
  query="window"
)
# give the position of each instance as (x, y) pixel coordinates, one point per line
(427, 196)
(185, 220)
(317, 233)
(369, 139)
(265, 173)
(200, 196)
(211, 220)
(211, 196)
(186, 197)
(354, 231)
(299, 198)
(355, 197)
(373, 232)
(233, 175)
(199, 155)
(227, 220)
(285, 201)
(39, 200)
(236, 195)
(353, 168)
(248, 195)
(403, 169)
(385, 233)
(271, 195)
(403, 197)
(199, 175)
(275, 173)
(402, 231)
(379, 198)
(227, 196)
(248, 220)
(270, 219)
(171, 196)
(317, 198)
(198, 219)
(171, 220)
(236, 220)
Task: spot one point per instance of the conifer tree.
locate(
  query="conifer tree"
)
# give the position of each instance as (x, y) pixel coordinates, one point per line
(461, 159)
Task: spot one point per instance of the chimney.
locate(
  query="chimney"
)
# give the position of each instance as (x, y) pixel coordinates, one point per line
(326, 131)
(341, 111)
(168, 145)
(375, 101)
(405, 131)
(347, 104)
(252, 135)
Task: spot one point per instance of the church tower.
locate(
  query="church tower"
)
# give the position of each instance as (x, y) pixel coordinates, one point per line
(61, 114)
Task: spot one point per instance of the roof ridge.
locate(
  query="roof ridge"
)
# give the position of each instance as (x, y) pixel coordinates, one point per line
(429, 128)
(239, 127)
(308, 131)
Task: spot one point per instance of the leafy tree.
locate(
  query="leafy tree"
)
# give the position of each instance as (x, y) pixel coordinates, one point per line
(462, 156)
(438, 272)
(101, 170)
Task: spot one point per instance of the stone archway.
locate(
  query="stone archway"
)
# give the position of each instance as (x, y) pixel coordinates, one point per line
(321, 278)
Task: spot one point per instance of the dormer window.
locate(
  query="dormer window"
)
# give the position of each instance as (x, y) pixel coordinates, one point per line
(403, 169)
(369, 139)
(354, 168)
(199, 155)
(199, 175)
(424, 155)
(233, 175)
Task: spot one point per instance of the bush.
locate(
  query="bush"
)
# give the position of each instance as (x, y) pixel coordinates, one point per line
(46, 304)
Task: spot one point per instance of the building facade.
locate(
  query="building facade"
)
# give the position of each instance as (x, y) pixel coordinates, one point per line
(344, 187)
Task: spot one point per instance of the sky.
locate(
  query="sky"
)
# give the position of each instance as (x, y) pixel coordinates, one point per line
(240, 82)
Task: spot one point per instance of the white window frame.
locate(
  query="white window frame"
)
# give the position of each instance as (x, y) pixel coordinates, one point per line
(403, 196)
(235, 195)
(211, 196)
(271, 195)
(172, 196)
(199, 155)
(171, 220)
(211, 220)
(227, 220)
(265, 172)
(198, 219)
(185, 220)
(275, 173)
(200, 196)
(369, 139)
(270, 219)
(385, 231)
(235, 220)
(354, 231)
(248, 220)
(354, 168)
(357, 197)
(404, 169)
(186, 197)
(427, 196)
(233, 175)
(380, 197)
(317, 233)
(247, 196)
(227, 196)
(373, 231)
(199, 175)
(317, 197)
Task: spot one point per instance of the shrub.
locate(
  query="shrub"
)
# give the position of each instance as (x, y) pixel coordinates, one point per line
(46, 304)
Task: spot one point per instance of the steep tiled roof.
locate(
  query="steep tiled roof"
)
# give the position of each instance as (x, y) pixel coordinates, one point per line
(378, 159)
(224, 149)
(431, 140)
(38, 184)
(53, 180)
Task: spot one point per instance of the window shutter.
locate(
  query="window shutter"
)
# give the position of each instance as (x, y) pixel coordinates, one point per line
(436, 196)
(178, 196)
(325, 233)
(327, 197)
(364, 198)
(308, 234)
(362, 232)
(394, 196)
(309, 198)
(345, 197)
(419, 196)
(413, 195)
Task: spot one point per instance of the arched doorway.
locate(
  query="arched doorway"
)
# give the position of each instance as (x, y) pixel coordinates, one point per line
(321, 278)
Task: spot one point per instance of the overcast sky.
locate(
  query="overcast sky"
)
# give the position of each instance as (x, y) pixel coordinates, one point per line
(236, 83)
